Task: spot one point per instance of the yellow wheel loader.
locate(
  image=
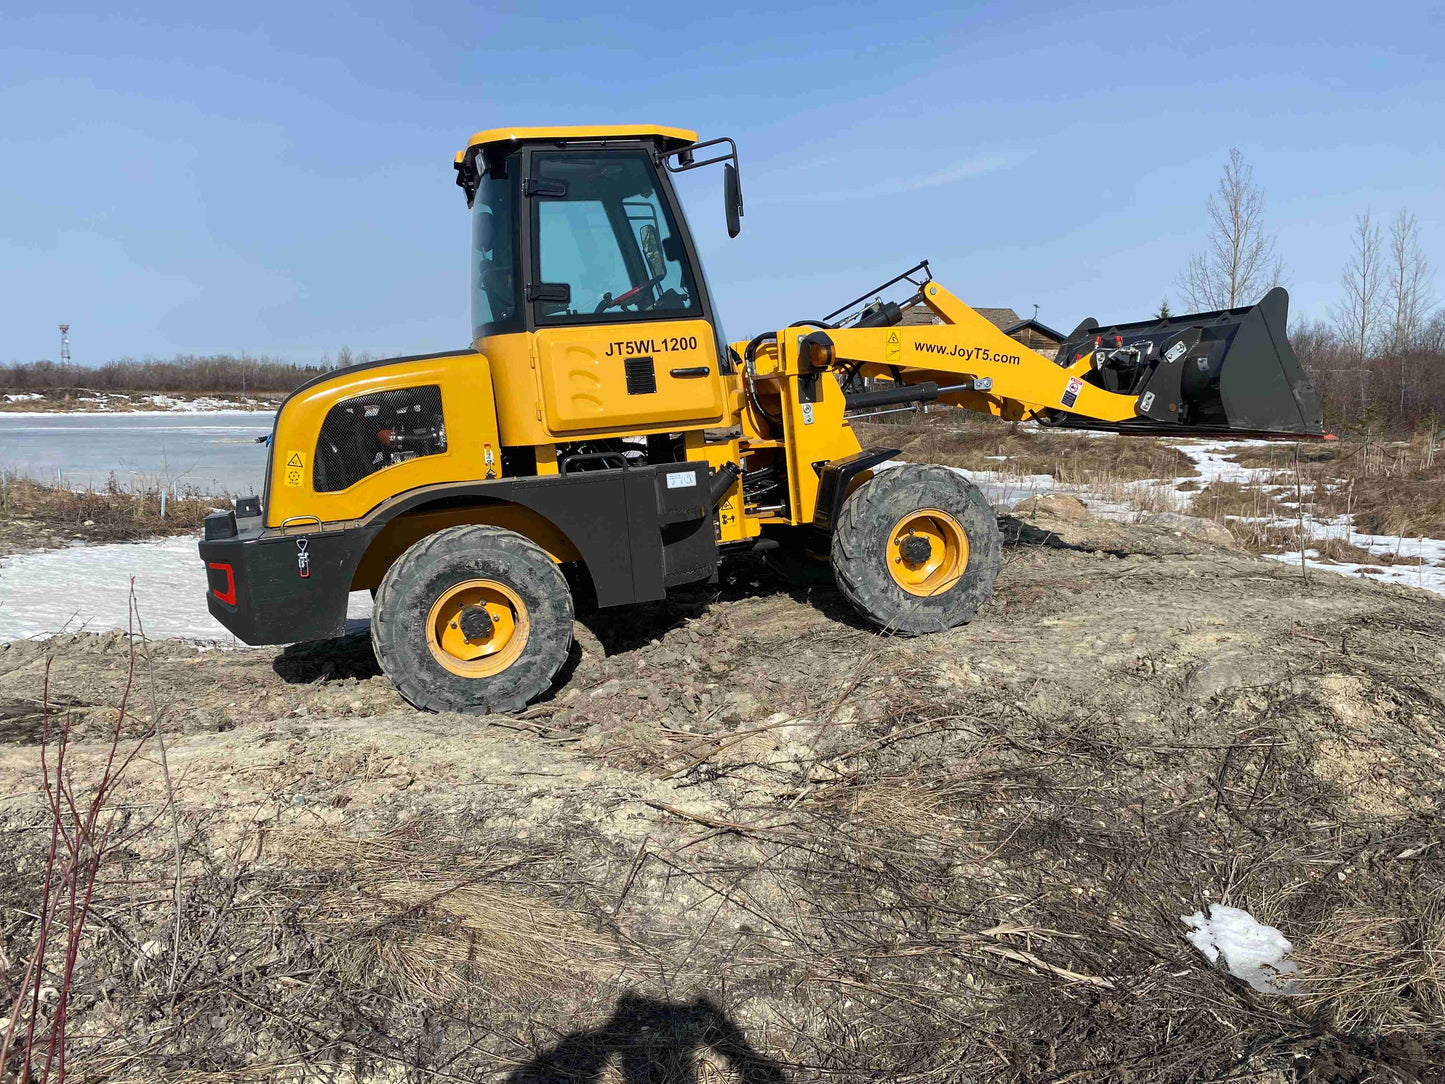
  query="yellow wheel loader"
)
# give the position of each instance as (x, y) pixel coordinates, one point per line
(602, 435)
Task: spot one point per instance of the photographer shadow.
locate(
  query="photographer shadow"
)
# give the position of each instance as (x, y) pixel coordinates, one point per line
(648, 1041)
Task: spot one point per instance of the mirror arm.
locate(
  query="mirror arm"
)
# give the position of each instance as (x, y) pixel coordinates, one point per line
(684, 159)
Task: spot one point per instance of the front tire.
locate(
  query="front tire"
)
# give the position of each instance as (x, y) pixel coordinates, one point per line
(917, 549)
(474, 619)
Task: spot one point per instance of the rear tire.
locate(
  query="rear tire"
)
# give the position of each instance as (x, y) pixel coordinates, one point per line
(916, 549)
(511, 597)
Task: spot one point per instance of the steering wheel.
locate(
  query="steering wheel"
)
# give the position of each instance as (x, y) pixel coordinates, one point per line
(641, 296)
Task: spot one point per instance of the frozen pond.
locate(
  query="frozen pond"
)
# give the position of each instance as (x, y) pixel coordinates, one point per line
(215, 452)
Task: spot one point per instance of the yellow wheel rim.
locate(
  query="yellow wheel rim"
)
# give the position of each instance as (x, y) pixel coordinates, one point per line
(927, 552)
(487, 651)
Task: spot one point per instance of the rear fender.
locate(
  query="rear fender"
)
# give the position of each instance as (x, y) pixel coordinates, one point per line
(406, 529)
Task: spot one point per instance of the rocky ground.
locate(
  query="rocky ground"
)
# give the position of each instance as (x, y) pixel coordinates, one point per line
(749, 838)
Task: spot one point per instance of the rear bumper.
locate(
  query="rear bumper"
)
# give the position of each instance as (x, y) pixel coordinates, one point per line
(256, 589)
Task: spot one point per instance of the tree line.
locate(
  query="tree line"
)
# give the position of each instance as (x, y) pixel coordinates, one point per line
(1378, 361)
(190, 373)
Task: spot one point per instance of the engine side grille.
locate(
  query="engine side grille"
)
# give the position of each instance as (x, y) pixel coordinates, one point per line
(368, 433)
(641, 378)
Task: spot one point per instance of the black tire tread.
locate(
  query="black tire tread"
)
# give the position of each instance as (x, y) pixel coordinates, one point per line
(404, 656)
(858, 548)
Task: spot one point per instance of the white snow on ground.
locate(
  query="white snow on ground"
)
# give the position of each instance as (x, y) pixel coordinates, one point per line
(1252, 951)
(240, 410)
(200, 405)
(1429, 575)
(116, 403)
(88, 587)
(1211, 460)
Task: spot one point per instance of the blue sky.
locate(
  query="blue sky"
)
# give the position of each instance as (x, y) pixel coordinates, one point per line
(276, 178)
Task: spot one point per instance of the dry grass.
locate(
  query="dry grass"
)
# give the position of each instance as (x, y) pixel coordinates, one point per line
(308, 951)
(1005, 888)
(1380, 970)
(109, 515)
(967, 881)
(1221, 500)
(1390, 488)
(437, 924)
(1337, 549)
(958, 440)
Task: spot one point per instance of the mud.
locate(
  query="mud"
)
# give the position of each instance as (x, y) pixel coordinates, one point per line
(960, 856)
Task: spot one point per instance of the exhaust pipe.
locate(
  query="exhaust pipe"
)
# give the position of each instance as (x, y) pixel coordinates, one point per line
(1231, 372)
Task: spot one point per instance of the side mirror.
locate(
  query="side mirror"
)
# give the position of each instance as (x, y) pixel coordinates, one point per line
(732, 199)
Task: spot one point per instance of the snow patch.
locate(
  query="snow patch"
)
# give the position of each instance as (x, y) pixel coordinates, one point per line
(1252, 951)
(88, 587)
(200, 405)
(1211, 460)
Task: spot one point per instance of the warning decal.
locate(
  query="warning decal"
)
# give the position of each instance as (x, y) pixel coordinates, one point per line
(1071, 393)
(891, 355)
(294, 466)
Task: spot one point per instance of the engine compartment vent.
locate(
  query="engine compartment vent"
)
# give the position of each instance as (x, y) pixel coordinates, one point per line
(372, 432)
(641, 377)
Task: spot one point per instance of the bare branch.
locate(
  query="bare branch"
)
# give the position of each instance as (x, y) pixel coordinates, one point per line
(1408, 291)
(1357, 315)
(1238, 263)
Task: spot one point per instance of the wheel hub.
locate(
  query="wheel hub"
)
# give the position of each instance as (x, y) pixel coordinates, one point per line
(927, 552)
(477, 628)
(476, 623)
(916, 549)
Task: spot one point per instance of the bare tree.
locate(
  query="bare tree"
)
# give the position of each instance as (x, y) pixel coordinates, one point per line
(1408, 291)
(1358, 313)
(1239, 263)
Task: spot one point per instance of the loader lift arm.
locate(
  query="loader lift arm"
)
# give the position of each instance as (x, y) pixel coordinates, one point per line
(974, 365)
(1229, 373)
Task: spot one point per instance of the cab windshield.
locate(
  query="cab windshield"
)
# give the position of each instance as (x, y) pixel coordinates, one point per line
(604, 231)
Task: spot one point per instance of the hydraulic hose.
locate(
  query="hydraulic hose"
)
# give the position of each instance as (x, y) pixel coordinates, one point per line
(750, 361)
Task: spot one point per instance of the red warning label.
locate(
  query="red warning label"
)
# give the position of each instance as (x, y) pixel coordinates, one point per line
(1071, 393)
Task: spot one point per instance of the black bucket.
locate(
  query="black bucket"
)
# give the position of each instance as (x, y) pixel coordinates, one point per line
(1231, 371)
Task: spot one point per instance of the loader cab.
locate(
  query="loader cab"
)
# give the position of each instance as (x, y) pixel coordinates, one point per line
(587, 294)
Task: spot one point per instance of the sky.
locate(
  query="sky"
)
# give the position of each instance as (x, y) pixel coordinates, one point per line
(276, 179)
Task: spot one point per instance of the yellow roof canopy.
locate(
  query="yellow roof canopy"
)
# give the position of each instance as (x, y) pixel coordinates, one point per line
(669, 138)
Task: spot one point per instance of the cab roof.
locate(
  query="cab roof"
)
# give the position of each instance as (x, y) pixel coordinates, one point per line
(670, 139)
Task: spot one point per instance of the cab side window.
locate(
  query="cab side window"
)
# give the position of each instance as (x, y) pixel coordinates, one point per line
(604, 231)
(494, 252)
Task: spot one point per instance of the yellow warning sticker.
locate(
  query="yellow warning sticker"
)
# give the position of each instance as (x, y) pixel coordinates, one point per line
(294, 466)
(891, 354)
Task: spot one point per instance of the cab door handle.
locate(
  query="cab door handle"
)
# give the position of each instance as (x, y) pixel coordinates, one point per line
(691, 370)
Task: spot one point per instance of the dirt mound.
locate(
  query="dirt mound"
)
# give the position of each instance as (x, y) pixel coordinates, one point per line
(747, 835)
